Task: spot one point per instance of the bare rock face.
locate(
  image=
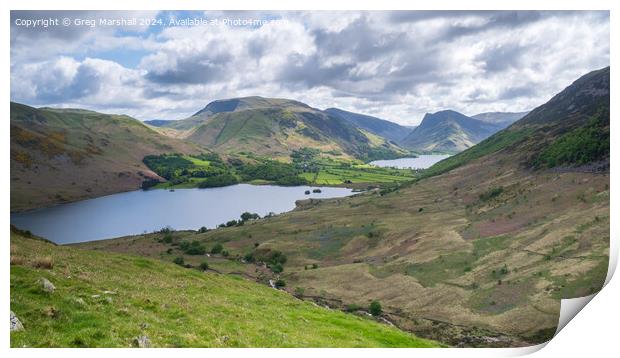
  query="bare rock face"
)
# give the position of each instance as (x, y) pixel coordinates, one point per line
(46, 285)
(16, 325)
(142, 341)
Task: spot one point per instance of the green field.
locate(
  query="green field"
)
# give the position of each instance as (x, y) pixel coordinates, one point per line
(107, 300)
(184, 171)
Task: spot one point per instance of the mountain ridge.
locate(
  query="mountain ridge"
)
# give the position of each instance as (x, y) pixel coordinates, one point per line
(447, 131)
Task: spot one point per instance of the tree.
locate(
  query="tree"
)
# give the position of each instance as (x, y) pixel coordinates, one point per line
(277, 268)
(217, 248)
(375, 308)
(249, 216)
(203, 229)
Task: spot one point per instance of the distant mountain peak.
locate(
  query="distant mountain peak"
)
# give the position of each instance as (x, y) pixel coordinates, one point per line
(448, 131)
(242, 103)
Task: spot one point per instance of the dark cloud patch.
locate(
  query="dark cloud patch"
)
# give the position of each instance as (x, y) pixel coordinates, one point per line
(310, 71)
(518, 92)
(192, 70)
(55, 86)
(359, 40)
(503, 57)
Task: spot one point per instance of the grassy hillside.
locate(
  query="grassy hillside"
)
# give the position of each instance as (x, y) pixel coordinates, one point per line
(386, 129)
(478, 253)
(60, 155)
(502, 119)
(277, 131)
(108, 300)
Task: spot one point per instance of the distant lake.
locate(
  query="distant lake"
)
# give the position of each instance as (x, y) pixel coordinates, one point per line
(137, 212)
(421, 162)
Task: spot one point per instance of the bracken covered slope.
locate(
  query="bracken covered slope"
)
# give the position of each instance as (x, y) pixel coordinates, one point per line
(60, 155)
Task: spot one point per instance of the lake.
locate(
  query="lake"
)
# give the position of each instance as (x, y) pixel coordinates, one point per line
(140, 211)
(421, 162)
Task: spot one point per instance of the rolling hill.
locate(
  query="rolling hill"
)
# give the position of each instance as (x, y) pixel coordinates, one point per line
(111, 300)
(478, 252)
(501, 119)
(227, 105)
(386, 129)
(448, 131)
(60, 155)
(276, 127)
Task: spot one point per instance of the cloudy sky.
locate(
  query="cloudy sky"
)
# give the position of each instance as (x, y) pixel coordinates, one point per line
(394, 65)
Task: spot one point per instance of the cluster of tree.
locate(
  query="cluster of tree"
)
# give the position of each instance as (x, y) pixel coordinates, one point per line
(223, 179)
(274, 259)
(178, 169)
(580, 146)
(193, 248)
(244, 217)
(149, 183)
(167, 165)
(281, 173)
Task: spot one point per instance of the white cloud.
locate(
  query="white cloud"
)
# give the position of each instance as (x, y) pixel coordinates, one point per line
(394, 65)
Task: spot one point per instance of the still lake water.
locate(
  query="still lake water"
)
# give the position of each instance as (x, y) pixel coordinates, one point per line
(136, 212)
(421, 162)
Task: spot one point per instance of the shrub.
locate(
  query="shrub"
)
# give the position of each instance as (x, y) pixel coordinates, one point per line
(217, 248)
(193, 248)
(352, 307)
(204, 266)
(299, 292)
(43, 262)
(491, 193)
(179, 261)
(203, 229)
(280, 283)
(17, 260)
(165, 230)
(249, 257)
(168, 238)
(277, 268)
(375, 308)
(225, 253)
(315, 266)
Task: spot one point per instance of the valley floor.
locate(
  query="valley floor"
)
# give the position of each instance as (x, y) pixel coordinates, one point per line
(478, 256)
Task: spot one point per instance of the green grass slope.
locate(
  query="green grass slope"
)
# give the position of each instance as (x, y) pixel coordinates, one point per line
(60, 155)
(281, 128)
(107, 300)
